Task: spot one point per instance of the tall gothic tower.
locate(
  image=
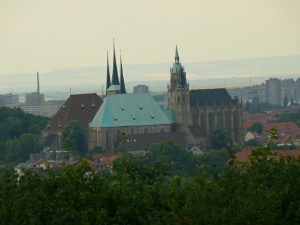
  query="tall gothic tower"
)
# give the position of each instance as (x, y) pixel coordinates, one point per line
(178, 92)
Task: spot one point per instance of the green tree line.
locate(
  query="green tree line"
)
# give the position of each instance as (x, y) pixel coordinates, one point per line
(145, 190)
(19, 134)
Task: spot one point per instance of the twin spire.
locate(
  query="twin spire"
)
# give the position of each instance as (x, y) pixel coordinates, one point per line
(115, 77)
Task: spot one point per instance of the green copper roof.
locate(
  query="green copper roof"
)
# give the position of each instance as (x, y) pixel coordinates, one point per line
(129, 110)
(176, 68)
(114, 88)
(169, 113)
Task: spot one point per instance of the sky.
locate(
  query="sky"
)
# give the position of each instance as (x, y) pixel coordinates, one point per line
(50, 35)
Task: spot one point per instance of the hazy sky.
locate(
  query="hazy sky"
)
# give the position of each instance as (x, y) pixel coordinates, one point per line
(46, 35)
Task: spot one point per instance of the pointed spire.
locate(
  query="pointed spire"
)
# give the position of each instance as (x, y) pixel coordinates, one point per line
(176, 56)
(122, 88)
(107, 75)
(38, 82)
(115, 77)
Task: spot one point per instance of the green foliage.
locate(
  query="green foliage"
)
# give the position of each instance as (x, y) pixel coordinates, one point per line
(290, 117)
(219, 139)
(143, 190)
(251, 143)
(15, 122)
(257, 127)
(97, 150)
(74, 138)
(18, 149)
(285, 102)
(19, 134)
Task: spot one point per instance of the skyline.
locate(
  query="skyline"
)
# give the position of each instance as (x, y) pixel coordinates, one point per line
(47, 36)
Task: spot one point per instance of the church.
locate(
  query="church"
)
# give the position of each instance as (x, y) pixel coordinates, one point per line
(192, 115)
(199, 112)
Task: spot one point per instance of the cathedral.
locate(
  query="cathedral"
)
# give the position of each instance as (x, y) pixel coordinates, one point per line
(199, 112)
(192, 114)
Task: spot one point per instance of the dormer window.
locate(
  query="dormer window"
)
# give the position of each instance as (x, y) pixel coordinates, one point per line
(64, 106)
(93, 104)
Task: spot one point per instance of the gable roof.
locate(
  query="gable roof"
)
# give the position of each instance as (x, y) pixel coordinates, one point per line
(136, 109)
(82, 107)
(203, 97)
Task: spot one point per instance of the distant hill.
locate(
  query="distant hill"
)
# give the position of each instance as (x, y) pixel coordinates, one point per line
(199, 74)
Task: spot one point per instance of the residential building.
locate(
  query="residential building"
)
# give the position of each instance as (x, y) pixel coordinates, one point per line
(9, 99)
(273, 91)
(141, 89)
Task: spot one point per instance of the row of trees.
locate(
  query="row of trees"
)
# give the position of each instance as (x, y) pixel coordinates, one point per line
(19, 134)
(145, 190)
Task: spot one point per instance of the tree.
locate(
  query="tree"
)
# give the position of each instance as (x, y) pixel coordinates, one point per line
(285, 102)
(247, 106)
(219, 139)
(73, 133)
(251, 143)
(257, 127)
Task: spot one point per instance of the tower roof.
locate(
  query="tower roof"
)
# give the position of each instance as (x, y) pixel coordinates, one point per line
(122, 88)
(108, 83)
(177, 68)
(115, 77)
(176, 55)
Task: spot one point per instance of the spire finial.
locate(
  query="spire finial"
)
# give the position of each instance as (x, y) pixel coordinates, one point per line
(108, 83)
(122, 88)
(176, 55)
(115, 77)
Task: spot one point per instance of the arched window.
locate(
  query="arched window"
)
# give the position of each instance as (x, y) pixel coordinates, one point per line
(146, 130)
(195, 118)
(132, 131)
(210, 122)
(219, 119)
(235, 126)
(118, 135)
(202, 121)
(107, 138)
(228, 122)
(178, 98)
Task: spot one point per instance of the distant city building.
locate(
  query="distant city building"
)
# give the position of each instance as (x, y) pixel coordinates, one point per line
(9, 99)
(35, 98)
(47, 110)
(141, 89)
(262, 94)
(273, 91)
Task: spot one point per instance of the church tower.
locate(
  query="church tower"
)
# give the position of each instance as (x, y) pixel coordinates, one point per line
(178, 92)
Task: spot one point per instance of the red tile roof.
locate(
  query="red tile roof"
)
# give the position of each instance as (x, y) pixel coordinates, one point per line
(289, 128)
(245, 153)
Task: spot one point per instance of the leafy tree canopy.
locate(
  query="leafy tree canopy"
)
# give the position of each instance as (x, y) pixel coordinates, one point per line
(257, 127)
(218, 139)
(74, 138)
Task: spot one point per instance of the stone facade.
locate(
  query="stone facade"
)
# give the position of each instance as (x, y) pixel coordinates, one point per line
(200, 112)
